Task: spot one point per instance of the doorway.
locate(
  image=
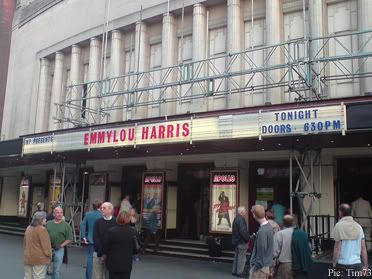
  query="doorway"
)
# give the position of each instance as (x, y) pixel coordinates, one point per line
(132, 184)
(193, 200)
(354, 176)
(269, 184)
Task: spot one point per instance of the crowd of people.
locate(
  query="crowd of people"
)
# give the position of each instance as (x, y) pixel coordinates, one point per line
(283, 250)
(112, 242)
(279, 249)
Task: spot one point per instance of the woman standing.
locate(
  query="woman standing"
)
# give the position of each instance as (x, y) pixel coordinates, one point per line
(37, 248)
(120, 245)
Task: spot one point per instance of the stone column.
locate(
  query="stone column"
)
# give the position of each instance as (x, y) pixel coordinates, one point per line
(116, 69)
(43, 99)
(317, 29)
(199, 46)
(75, 78)
(141, 50)
(234, 44)
(57, 94)
(274, 31)
(365, 23)
(93, 77)
(168, 58)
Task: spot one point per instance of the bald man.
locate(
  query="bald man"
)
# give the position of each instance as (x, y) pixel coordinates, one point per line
(282, 249)
(60, 233)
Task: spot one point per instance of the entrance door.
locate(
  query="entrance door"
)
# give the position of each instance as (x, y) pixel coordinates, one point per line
(193, 200)
(132, 184)
(354, 177)
(269, 184)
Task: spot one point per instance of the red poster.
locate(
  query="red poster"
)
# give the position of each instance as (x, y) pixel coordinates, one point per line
(224, 196)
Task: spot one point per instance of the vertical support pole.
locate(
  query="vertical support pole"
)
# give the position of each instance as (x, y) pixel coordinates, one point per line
(82, 197)
(54, 184)
(63, 184)
(290, 184)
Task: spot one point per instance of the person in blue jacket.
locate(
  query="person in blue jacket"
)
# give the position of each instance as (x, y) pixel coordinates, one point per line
(86, 233)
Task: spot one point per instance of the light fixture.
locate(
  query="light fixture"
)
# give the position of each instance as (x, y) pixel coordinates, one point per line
(86, 172)
(262, 149)
(367, 145)
(332, 141)
(181, 153)
(279, 144)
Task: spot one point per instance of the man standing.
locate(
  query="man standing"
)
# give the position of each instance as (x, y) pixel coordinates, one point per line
(361, 210)
(86, 232)
(100, 231)
(153, 231)
(262, 254)
(125, 204)
(350, 244)
(279, 212)
(282, 249)
(240, 237)
(60, 234)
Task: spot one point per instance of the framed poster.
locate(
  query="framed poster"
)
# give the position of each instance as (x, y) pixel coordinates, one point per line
(24, 191)
(152, 197)
(223, 196)
(55, 190)
(97, 188)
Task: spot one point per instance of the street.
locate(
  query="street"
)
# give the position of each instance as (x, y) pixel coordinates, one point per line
(154, 267)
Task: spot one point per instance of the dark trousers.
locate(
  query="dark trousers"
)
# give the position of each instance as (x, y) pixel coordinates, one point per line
(227, 218)
(350, 271)
(120, 275)
(152, 237)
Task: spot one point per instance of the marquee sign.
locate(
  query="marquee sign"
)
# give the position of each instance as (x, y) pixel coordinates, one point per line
(313, 120)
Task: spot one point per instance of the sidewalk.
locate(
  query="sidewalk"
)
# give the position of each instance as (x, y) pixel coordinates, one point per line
(149, 267)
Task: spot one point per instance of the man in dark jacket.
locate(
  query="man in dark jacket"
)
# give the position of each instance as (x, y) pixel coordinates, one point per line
(301, 253)
(101, 228)
(240, 237)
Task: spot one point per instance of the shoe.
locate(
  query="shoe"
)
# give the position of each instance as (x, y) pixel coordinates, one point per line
(233, 274)
(242, 275)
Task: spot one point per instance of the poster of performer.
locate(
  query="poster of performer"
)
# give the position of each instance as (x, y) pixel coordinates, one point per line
(23, 197)
(224, 195)
(55, 189)
(152, 197)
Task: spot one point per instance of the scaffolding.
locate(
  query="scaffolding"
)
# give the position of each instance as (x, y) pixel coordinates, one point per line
(307, 70)
(69, 196)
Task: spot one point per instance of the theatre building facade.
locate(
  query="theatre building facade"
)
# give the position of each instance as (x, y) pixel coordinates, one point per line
(193, 108)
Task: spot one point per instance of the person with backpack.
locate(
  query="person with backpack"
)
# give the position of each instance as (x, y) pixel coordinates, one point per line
(240, 238)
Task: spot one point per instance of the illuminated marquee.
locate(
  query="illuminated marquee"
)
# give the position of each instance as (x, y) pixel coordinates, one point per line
(303, 121)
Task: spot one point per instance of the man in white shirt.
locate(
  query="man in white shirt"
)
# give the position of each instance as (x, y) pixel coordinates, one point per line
(361, 211)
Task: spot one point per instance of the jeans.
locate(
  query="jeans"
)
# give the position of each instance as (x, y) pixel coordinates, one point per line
(57, 262)
(350, 271)
(89, 269)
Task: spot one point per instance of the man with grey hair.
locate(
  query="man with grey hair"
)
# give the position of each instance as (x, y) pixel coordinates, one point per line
(240, 237)
(101, 227)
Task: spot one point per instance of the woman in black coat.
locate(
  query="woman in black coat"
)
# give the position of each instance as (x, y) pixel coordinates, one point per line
(120, 246)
